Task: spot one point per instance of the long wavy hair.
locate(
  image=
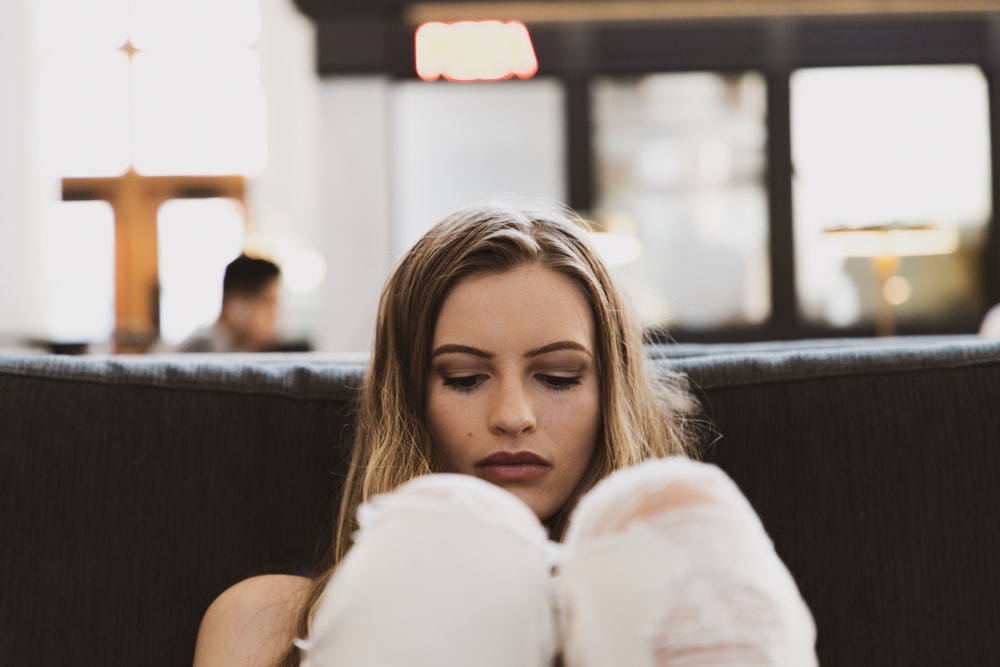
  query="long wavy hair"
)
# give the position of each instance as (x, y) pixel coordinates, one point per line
(642, 416)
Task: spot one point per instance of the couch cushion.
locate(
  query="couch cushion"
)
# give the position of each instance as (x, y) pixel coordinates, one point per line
(136, 490)
(874, 466)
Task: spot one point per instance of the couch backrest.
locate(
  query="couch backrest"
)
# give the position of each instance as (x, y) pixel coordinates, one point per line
(875, 467)
(136, 489)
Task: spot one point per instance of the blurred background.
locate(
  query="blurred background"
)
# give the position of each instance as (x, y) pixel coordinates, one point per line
(753, 169)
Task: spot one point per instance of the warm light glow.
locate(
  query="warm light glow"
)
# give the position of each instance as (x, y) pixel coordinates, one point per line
(893, 241)
(474, 51)
(897, 290)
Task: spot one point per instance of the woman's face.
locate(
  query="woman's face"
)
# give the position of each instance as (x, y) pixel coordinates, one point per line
(514, 392)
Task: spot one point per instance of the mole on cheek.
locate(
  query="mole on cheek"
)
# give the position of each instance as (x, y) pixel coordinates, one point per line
(469, 434)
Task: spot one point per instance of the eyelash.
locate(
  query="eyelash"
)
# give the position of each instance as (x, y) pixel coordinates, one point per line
(469, 383)
(561, 382)
(464, 383)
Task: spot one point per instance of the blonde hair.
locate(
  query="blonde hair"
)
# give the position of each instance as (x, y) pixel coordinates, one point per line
(642, 416)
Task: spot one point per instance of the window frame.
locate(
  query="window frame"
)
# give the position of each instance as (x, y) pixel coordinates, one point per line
(775, 46)
(135, 200)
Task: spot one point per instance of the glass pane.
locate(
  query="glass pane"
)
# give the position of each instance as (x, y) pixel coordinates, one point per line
(80, 271)
(83, 24)
(890, 147)
(680, 162)
(453, 145)
(197, 238)
(184, 24)
(199, 112)
(85, 113)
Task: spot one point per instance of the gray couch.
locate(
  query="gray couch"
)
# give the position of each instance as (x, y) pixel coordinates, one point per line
(136, 489)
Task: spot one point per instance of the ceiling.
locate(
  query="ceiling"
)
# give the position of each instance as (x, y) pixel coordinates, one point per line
(376, 36)
(536, 11)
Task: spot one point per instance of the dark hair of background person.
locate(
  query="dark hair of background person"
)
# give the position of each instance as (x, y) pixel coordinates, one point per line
(248, 275)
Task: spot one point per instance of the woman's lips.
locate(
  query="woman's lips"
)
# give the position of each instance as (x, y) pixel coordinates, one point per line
(505, 467)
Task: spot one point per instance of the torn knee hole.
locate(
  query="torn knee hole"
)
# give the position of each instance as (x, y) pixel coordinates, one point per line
(650, 504)
(673, 496)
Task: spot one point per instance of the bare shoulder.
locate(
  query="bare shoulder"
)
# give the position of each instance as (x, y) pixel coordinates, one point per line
(251, 623)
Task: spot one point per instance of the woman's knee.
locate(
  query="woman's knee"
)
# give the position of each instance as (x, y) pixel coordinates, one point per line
(439, 528)
(421, 554)
(441, 499)
(671, 560)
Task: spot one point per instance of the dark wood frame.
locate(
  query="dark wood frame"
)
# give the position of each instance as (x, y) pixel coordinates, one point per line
(772, 45)
(136, 200)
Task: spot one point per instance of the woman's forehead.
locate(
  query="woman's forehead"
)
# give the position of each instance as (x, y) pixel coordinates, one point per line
(529, 303)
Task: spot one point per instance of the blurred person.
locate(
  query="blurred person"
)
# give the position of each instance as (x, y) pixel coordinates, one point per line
(249, 317)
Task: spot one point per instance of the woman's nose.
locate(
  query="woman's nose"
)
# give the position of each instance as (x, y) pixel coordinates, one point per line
(512, 413)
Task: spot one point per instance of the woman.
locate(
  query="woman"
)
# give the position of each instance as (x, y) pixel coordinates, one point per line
(503, 353)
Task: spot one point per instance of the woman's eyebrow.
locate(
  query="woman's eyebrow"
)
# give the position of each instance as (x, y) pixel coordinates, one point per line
(559, 345)
(452, 348)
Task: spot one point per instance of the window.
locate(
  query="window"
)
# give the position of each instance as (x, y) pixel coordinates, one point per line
(146, 101)
(900, 149)
(197, 238)
(456, 143)
(80, 240)
(680, 162)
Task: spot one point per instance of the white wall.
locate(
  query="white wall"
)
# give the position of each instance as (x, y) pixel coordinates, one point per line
(283, 201)
(357, 167)
(24, 190)
(453, 144)
(355, 200)
(399, 156)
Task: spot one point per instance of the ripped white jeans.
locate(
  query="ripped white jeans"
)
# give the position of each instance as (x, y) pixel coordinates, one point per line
(664, 563)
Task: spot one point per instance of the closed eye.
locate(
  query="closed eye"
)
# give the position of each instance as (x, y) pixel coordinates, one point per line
(464, 383)
(559, 382)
